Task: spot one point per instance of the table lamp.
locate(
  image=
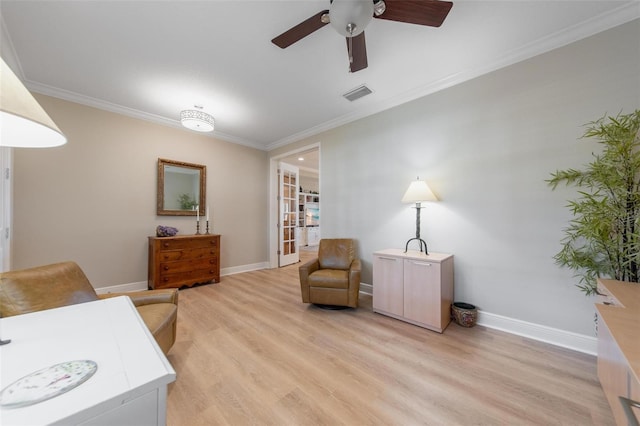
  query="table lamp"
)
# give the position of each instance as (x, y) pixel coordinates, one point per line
(418, 192)
(23, 122)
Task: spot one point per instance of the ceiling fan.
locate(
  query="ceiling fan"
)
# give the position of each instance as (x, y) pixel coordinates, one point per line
(350, 17)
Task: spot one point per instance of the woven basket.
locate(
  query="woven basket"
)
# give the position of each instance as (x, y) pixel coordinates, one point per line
(464, 314)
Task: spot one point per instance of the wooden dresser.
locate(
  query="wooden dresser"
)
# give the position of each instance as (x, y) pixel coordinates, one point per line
(183, 260)
(619, 344)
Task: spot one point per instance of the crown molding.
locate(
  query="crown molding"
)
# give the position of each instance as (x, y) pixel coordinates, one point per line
(8, 52)
(616, 17)
(129, 112)
(621, 15)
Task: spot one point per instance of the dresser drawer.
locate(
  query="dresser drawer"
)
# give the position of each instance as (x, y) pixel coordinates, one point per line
(187, 278)
(185, 254)
(187, 265)
(186, 243)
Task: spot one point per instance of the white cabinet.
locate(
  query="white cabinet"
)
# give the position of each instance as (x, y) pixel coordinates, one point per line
(309, 219)
(129, 385)
(313, 236)
(414, 287)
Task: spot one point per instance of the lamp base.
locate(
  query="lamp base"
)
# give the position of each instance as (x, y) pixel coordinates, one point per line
(422, 242)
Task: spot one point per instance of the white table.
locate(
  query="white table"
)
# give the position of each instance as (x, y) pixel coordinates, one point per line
(129, 386)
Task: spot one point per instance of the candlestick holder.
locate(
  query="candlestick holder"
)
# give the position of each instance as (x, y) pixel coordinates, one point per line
(197, 227)
(207, 227)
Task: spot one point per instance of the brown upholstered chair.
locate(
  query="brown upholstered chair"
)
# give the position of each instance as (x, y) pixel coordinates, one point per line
(63, 284)
(333, 278)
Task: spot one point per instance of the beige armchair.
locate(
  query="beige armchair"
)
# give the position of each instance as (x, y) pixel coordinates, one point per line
(333, 278)
(63, 284)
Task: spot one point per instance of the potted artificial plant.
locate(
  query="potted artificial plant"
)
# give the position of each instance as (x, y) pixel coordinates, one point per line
(603, 238)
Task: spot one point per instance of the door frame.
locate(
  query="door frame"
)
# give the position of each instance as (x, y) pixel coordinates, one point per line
(273, 198)
(6, 207)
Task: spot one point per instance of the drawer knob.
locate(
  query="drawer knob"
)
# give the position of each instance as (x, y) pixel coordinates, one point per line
(165, 279)
(165, 245)
(166, 268)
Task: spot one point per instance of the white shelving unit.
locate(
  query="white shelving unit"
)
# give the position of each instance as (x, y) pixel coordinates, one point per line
(309, 219)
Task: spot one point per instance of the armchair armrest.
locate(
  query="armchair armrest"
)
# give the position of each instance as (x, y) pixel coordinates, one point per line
(308, 268)
(148, 297)
(354, 273)
(305, 270)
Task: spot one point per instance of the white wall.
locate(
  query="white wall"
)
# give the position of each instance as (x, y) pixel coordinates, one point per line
(309, 183)
(486, 147)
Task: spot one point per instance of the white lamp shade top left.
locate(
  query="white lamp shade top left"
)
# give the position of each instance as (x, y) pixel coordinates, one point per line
(23, 122)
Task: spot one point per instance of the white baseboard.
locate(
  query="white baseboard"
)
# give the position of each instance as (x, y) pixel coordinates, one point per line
(542, 333)
(123, 288)
(244, 268)
(366, 288)
(142, 285)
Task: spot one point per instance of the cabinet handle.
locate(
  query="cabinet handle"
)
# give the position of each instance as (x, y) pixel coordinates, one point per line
(387, 258)
(421, 263)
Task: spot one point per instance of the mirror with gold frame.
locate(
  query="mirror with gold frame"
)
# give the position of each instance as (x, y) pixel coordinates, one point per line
(181, 188)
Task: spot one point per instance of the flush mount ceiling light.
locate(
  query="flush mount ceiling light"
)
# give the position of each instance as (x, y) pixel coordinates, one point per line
(196, 119)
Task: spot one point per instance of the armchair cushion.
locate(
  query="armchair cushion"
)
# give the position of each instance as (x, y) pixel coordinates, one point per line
(329, 278)
(335, 254)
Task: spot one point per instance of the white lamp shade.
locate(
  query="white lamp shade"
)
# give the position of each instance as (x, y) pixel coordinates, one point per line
(23, 122)
(345, 12)
(418, 192)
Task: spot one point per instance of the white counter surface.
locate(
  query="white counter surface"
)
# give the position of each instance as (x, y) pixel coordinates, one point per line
(109, 332)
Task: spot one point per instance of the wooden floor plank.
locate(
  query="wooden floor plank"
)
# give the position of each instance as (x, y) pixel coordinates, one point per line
(250, 352)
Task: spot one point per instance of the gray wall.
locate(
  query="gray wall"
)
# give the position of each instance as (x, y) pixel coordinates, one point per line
(485, 147)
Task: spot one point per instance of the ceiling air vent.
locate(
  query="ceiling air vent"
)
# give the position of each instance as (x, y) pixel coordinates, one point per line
(357, 93)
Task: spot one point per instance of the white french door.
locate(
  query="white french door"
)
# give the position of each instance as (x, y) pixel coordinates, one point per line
(287, 214)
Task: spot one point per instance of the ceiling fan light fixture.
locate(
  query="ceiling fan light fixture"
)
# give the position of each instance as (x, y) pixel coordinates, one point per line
(379, 7)
(196, 119)
(350, 17)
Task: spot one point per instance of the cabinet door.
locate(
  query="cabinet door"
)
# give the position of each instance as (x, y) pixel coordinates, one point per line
(422, 292)
(612, 370)
(387, 284)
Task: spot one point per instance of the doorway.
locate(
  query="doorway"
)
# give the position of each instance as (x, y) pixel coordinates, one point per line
(309, 170)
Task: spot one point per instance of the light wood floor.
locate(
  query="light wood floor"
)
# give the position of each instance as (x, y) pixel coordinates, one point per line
(250, 352)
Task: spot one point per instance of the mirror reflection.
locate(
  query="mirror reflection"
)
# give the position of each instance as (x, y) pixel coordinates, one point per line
(181, 188)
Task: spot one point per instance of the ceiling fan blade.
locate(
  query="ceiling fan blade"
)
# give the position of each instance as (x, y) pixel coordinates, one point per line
(300, 31)
(421, 12)
(357, 50)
